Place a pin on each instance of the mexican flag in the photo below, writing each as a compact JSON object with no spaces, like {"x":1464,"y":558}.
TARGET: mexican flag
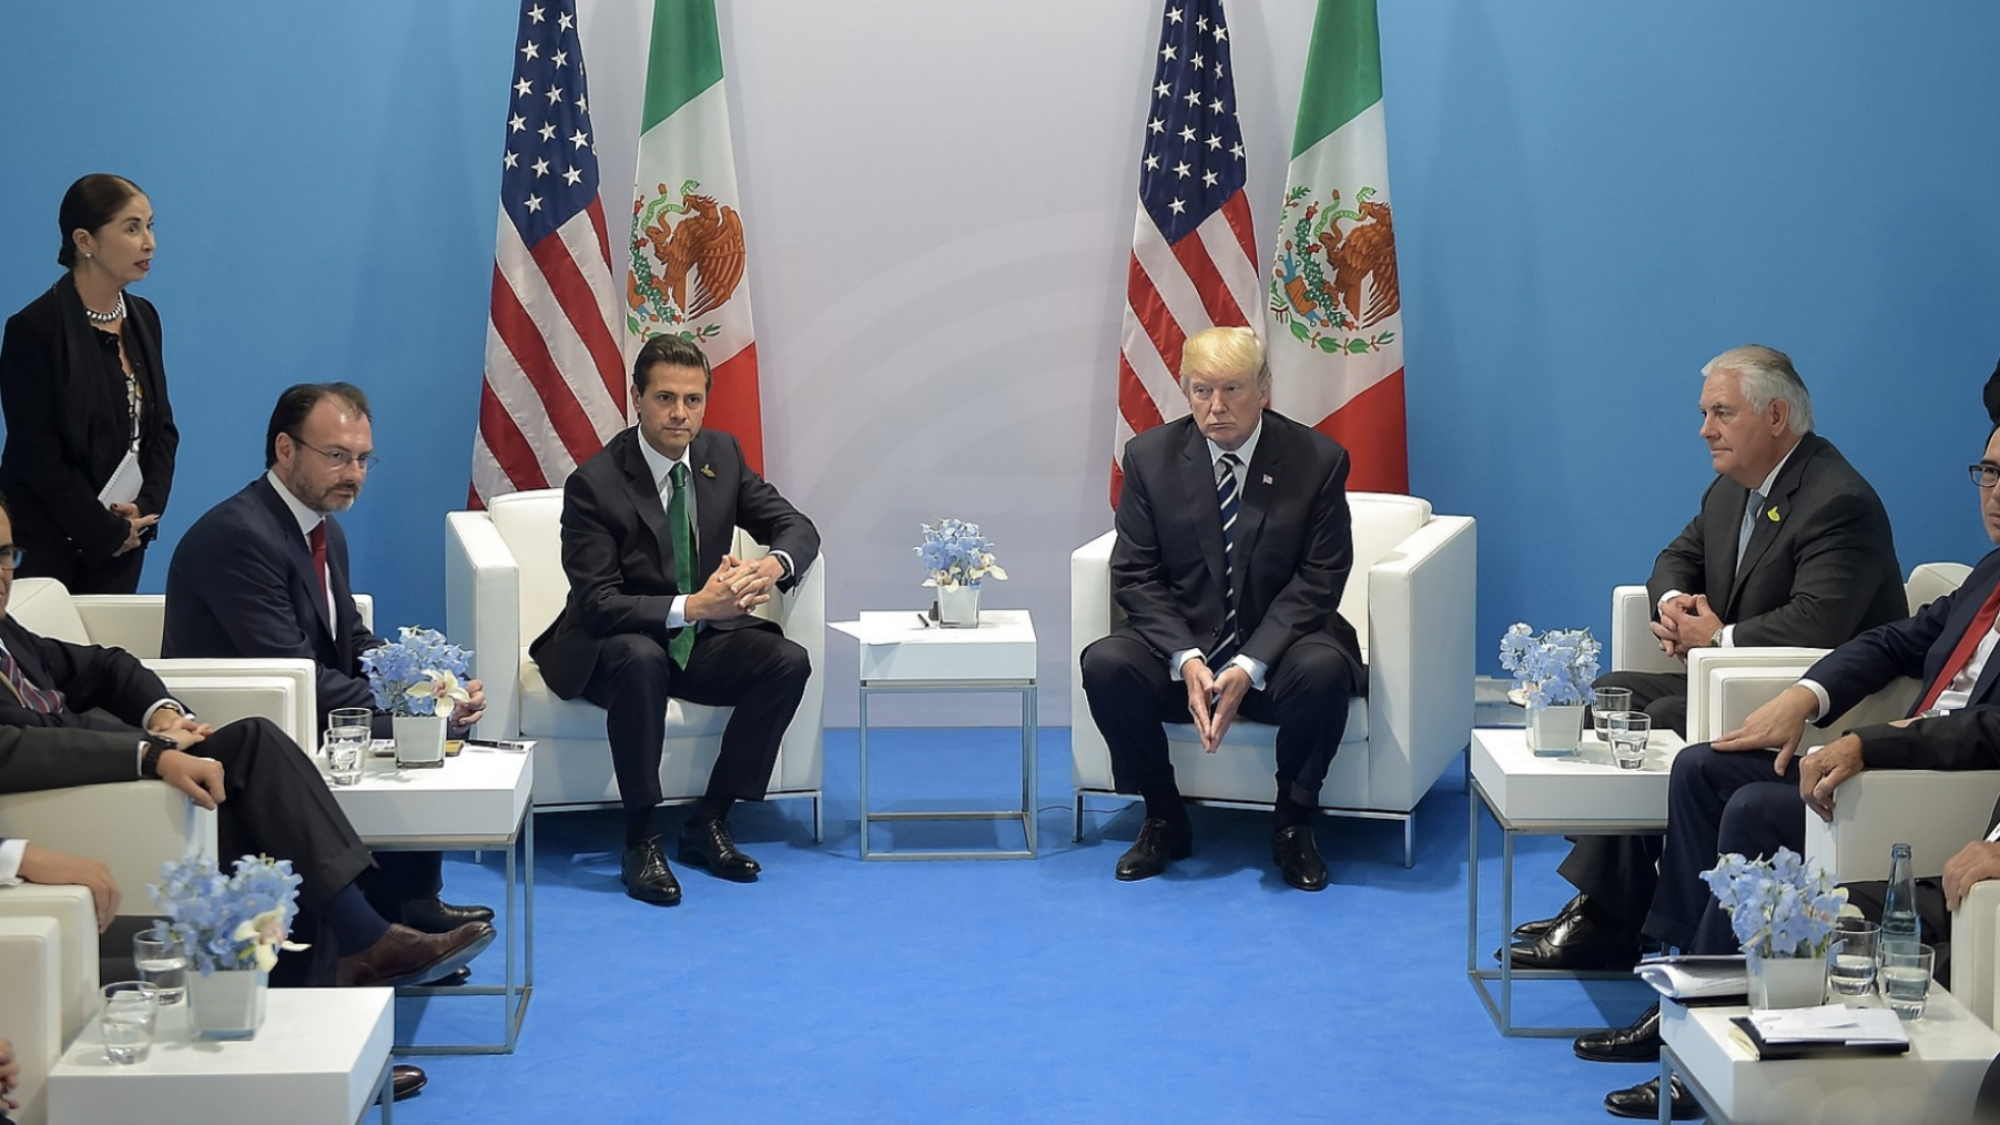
{"x":688,"y":267}
{"x":1336,"y":340}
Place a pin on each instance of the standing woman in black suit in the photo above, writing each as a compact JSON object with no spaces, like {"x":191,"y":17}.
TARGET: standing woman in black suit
{"x":89,"y":457}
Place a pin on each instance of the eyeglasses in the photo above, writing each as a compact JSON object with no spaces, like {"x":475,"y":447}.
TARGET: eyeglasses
{"x":1985,"y":476}
{"x":10,"y":558}
{"x":340,"y":458}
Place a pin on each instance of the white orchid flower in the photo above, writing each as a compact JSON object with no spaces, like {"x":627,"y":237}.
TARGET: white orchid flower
{"x":439,"y":688}
{"x":266,"y":935}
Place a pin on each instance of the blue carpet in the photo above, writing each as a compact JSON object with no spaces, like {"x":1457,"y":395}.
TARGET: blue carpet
{"x":1016,"y":992}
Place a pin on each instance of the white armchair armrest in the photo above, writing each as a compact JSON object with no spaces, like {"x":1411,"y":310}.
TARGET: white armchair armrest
{"x":132,"y":827}
{"x":1935,"y":812}
{"x":1092,"y":614}
{"x":1634,"y":648}
{"x":1726,"y":684}
{"x":74,"y":911}
{"x":1421,"y":659}
{"x":31,"y":975}
{"x":482,"y":597}
{"x":1975,"y":949}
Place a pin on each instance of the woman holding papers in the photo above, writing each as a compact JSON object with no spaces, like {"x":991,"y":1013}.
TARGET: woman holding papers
{"x":89,"y":457}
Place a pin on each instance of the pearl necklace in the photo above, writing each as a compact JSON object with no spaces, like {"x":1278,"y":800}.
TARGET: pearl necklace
{"x":117,"y":313}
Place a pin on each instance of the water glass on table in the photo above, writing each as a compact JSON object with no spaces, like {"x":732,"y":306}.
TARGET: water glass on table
{"x":1852,"y":970}
{"x":348,"y":732}
{"x":162,"y":964}
{"x":1905,"y":976}
{"x":1628,"y":732}
{"x":127,"y":1020}
{"x":1608,"y":699}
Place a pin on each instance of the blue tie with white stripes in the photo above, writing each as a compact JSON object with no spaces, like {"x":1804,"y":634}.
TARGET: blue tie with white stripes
{"x":1226,"y":496}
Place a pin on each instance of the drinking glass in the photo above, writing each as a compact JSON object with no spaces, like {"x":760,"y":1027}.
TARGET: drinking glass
{"x":1905,"y":977}
{"x":1609,"y":699}
{"x":161,"y":963}
{"x":127,"y":1020}
{"x":1629,"y":731}
{"x":1852,"y":972}
{"x":342,"y":747}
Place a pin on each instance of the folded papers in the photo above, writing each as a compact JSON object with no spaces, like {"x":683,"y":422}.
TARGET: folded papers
{"x":1691,"y":977}
{"x":1794,"y":1033}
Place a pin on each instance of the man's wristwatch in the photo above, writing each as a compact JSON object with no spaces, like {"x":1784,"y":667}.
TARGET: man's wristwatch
{"x":156,"y":745}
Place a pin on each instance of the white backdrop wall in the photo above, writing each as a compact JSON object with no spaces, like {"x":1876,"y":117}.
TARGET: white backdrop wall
{"x":1592,"y":199}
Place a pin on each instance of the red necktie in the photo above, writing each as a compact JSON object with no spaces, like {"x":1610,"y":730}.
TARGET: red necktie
{"x":317,"y":537}
{"x":1969,"y":643}
{"x":34,"y":698}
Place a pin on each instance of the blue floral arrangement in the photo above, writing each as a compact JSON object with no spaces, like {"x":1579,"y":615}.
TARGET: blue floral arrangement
{"x":238,"y":921}
{"x":419,"y":673}
{"x":1777,"y":907}
{"x":955,"y":554}
{"x":1552,"y":669}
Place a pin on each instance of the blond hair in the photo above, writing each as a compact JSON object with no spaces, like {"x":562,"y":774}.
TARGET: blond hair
{"x":1225,"y":351}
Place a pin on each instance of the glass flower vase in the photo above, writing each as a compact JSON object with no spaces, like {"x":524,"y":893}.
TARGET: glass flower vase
{"x":227,"y":1003}
{"x":1787,"y":982}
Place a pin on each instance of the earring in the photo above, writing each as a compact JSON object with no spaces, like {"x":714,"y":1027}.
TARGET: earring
{"x":87,"y":255}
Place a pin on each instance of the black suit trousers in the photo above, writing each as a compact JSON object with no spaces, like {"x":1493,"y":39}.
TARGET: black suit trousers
{"x":755,"y":669}
{"x":1618,"y":872}
{"x":277,"y":804}
{"x":1131,"y":694}
{"x":1716,"y":803}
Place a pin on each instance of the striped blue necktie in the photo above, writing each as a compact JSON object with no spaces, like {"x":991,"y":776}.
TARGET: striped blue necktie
{"x":1226,"y":497}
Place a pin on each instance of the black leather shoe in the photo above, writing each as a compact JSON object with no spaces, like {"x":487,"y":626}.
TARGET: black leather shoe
{"x":647,"y":876}
{"x":707,"y":843}
{"x":1529,"y":931}
{"x":1297,"y":857}
{"x":1638,"y":1043}
{"x":1643,"y":1101}
{"x":406,"y":1080}
{"x":1579,"y":942}
{"x":450,"y":980}
{"x":435,"y":916}
{"x":1159,"y":844}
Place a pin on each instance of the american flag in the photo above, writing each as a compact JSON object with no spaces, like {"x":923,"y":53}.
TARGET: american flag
{"x":1194,"y":262}
{"x":555,"y":383}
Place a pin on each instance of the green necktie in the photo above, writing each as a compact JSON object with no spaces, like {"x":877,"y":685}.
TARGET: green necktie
{"x":685,"y":564}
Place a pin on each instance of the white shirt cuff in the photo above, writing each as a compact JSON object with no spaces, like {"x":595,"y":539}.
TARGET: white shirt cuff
{"x":11,"y":852}
{"x":1254,"y":667}
{"x":146,"y":720}
{"x":1727,"y":638}
{"x":1819,"y":693}
{"x":677,"y":617}
{"x":1175,"y":661}
{"x":1659,"y":607}
{"x":783,"y":557}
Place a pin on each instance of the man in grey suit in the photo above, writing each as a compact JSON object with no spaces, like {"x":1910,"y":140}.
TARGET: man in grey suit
{"x":1791,"y":547}
{"x":1234,"y":543}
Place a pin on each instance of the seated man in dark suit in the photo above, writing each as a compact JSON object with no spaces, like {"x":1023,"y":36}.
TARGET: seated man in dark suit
{"x":1233,"y":549}
{"x":658,"y":609}
{"x":265,"y":574}
{"x":1792,"y":547}
{"x":84,"y":715}
{"x":1748,"y":791}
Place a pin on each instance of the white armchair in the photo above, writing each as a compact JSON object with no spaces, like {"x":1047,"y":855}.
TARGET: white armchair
{"x":1409,"y":596}
{"x":48,"y":981}
{"x":504,"y":584}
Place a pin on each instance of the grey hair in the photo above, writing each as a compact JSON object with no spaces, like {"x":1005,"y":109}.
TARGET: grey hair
{"x":1766,"y":375}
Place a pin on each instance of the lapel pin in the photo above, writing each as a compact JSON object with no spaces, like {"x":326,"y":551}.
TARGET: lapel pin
{"x":710,"y":474}
{"x":1773,"y":514}
{"x":1267,"y":478}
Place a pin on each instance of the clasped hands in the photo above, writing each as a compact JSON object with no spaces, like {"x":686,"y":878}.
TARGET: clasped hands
{"x":199,"y":778}
{"x":1686,"y":622}
{"x":137,"y":526}
{"x":736,"y":588}
{"x":1213,"y":699}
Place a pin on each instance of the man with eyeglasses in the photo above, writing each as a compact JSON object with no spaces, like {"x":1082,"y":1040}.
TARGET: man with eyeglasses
{"x":264,"y":574}
{"x":1748,"y":791}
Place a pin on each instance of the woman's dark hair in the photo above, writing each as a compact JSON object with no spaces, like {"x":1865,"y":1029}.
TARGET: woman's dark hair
{"x":88,"y":205}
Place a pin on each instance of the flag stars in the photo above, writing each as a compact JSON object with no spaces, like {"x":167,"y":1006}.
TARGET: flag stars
{"x":1214,"y":142}
{"x":1177,"y":206}
{"x":580,"y":139}
{"x":1162,"y":90}
{"x":523,"y":88}
{"x":531,"y":50}
{"x":1181,"y":170}
{"x":1196,"y":60}
{"x":541,"y":166}
{"x":573,"y":177}
{"x":1215,"y":106}
{"x":1187,"y":134}
{"x":581,"y":107}
{"x":1156,"y":125}
{"x":512,"y":159}
{"x":565,"y":21}
{"x":1174,"y":15}
{"x":1209,"y":179}
{"x":1236,"y":150}
{"x":535,"y":13}
{"x":554,"y":94}
{"x":534,"y":204}
{"x":517,"y":123}
{"x":548,"y":132}
{"x":1221,"y":33}
{"x":562,"y":59}
{"x":1169,"y":52}
{"x":1152,"y":163}
{"x":1193,"y":97}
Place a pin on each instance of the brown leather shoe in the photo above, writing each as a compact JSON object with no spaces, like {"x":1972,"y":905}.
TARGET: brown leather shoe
{"x":404,"y":955}
{"x":405,"y":1081}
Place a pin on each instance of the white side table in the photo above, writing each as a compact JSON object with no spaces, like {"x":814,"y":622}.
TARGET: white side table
{"x":1934,"y":1083}
{"x":477,"y":800}
{"x":900,"y":654}
{"x":1527,"y":795}
{"x":321,"y":1058}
